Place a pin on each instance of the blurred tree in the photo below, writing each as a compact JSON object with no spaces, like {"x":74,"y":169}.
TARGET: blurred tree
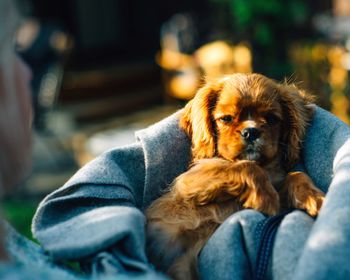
{"x":269,"y":26}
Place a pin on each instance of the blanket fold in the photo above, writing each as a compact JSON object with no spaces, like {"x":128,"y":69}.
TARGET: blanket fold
{"x":101,"y":207}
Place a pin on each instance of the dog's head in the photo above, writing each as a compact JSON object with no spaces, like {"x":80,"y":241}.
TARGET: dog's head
{"x":248,"y":116}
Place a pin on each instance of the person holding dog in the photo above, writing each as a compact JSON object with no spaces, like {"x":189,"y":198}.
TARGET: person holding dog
{"x":98,"y":217}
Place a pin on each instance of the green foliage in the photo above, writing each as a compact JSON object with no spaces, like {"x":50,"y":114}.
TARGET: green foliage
{"x":19,"y":214}
{"x":257,"y":20}
{"x":269,"y":26}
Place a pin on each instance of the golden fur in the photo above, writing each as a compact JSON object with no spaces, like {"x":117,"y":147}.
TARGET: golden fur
{"x":246,"y":132}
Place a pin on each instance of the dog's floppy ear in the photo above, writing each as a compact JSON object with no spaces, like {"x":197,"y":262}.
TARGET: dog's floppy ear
{"x":298,"y":112}
{"x":198,"y":123}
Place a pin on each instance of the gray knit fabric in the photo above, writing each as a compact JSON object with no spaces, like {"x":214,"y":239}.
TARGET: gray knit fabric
{"x":28,"y":261}
{"x":99,"y":212}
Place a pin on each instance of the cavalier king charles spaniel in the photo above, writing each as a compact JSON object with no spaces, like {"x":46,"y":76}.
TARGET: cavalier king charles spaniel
{"x":246,"y":132}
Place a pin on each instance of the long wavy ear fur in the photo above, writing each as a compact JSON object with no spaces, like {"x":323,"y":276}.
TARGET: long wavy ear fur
{"x":298,"y":113}
{"x":198,"y":123}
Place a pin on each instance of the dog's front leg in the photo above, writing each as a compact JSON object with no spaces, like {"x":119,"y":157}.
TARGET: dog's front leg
{"x":251,"y":185}
{"x":218,"y":180}
{"x":299,"y":191}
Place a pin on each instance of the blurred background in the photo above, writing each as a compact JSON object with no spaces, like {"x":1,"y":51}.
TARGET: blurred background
{"x":105,"y":68}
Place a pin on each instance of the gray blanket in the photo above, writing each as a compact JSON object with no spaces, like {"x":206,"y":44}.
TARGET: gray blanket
{"x":97,"y":216}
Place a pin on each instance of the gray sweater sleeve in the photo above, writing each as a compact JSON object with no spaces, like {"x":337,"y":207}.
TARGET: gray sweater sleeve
{"x":327,"y":154}
{"x":307,"y":249}
{"x":96,"y":208}
{"x":98,"y":213}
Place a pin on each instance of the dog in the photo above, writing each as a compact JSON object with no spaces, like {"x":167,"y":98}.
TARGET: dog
{"x":246,"y":132}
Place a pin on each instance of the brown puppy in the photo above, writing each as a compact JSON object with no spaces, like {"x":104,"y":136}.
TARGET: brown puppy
{"x":246,"y":133}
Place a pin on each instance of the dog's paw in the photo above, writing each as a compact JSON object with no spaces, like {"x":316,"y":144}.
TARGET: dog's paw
{"x":253,"y":188}
{"x":302,"y":193}
{"x":310,"y":200}
{"x":257,"y":192}
{"x":263,"y":199}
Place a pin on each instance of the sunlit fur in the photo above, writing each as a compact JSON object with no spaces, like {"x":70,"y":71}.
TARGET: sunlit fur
{"x":229,"y":173}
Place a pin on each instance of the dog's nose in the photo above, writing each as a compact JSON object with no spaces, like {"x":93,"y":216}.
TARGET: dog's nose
{"x":250,"y":134}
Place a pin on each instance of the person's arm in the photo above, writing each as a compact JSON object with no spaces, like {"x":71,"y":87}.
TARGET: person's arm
{"x":97,"y":216}
{"x":96,"y":209}
{"x":327,"y":160}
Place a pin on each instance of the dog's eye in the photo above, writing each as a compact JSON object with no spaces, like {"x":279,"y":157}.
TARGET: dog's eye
{"x":226,"y":119}
{"x":272,"y":119}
